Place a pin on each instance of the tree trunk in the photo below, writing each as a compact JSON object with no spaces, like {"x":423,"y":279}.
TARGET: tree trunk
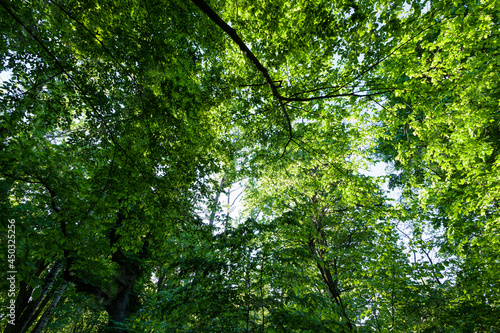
{"x":119,"y":307}
{"x":39,"y":310}
{"x":50,"y":310}
{"x":216,"y":201}
{"x":28,"y":309}
{"x":23,"y":298}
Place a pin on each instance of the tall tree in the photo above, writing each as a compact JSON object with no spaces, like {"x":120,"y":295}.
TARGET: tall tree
{"x":72,"y":115}
{"x":120,"y":118}
{"x":441,"y":135}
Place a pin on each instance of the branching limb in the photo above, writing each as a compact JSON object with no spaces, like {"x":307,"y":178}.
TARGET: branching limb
{"x":205,"y":8}
{"x":280,"y":84}
{"x":352,"y":94}
{"x":80,"y":89}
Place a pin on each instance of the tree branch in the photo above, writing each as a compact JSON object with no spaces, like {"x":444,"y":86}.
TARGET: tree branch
{"x":306,"y":99}
{"x":86,"y":99}
{"x":262,"y":84}
{"x":205,"y":8}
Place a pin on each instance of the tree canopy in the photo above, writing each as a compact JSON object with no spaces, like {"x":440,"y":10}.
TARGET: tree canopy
{"x":200,"y":166}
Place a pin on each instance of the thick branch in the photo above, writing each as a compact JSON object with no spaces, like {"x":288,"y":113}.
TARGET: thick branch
{"x":205,"y":8}
{"x":83,"y":286}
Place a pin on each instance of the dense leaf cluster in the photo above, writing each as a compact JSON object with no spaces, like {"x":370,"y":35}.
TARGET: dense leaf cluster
{"x":127,"y":126}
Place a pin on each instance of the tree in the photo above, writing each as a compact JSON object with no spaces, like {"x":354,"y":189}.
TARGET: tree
{"x":103,"y":201}
{"x":442,"y":137}
{"x":120,"y":119}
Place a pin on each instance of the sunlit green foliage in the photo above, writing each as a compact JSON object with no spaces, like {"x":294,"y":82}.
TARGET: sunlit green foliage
{"x":120,"y":118}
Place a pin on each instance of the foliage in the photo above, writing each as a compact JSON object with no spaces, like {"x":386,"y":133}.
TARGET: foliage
{"x":123,"y":124}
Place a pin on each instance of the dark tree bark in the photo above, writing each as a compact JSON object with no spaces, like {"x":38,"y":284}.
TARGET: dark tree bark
{"x":118,"y":307}
{"x":205,"y":8}
{"x":28,"y":309}
{"x":50,"y":310}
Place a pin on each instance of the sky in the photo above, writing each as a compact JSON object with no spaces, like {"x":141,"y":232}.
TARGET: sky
{"x":4,"y":76}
